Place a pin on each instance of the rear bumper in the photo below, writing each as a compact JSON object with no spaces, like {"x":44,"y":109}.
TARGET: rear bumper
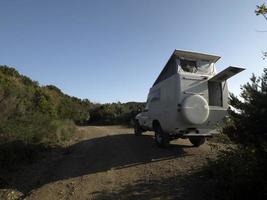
{"x":195,"y":133}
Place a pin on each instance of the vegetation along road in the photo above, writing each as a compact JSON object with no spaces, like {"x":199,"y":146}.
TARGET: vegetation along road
{"x":109,"y":162}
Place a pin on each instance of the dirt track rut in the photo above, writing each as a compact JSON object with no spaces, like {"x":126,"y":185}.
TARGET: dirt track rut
{"x":109,"y":162}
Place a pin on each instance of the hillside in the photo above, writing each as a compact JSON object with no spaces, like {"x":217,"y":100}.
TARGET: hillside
{"x":34,"y":115}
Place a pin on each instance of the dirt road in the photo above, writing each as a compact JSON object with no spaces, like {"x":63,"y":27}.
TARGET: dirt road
{"x":109,"y":162}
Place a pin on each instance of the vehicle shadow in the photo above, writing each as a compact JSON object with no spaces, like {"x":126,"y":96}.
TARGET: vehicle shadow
{"x":91,"y":156}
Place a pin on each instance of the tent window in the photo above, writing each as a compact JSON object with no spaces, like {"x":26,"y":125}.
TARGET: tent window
{"x":188,"y":65}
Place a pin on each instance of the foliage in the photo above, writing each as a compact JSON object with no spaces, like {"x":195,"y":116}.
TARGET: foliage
{"x":116,"y":113}
{"x":262,"y":10}
{"x":20,"y":95}
{"x":240,"y":168}
{"x":33,"y":116}
{"x":239,"y":173}
{"x":249,"y":127}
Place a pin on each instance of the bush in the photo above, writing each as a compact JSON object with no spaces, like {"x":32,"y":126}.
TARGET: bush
{"x":240,"y":169}
{"x":31,"y":137}
{"x":34,"y":116}
{"x":115,"y":113}
{"x":249,"y":126}
{"x":239,"y":173}
{"x":64,"y":131}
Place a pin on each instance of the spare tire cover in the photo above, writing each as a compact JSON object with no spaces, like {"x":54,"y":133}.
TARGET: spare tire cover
{"x":195,"y":109}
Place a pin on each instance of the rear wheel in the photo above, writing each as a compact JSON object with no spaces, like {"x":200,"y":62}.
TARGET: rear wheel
{"x":162,"y":139}
{"x":137,"y":128}
{"x":197,"y":141}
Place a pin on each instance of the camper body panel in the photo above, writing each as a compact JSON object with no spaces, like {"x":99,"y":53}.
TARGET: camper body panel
{"x":195,"y":84}
{"x":188,"y":99}
{"x":166,"y":113}
{"x":161,"y":104}
{"x":165,"y":97}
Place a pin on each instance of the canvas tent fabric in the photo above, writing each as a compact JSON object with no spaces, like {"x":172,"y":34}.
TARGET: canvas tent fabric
{"x":204,"y":64}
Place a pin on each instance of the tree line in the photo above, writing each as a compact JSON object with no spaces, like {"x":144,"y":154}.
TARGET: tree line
{"x":34,"y":114}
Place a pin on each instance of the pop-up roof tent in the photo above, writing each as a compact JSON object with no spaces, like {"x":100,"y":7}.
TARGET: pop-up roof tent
{"x":179,"y":57}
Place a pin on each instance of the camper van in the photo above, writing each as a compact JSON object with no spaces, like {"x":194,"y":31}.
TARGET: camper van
{"x":188,"y":99}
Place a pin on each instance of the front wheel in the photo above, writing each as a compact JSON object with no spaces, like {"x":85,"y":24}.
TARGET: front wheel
{"x":197,"y":141}
{"x":162,"y":139}
{"x":137,"y":128}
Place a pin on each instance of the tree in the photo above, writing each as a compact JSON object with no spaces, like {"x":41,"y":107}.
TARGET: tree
{"x":249,"y":127}
{"x":262,"y":10}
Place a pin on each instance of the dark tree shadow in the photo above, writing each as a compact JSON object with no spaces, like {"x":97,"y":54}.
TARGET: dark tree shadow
{"x":92,"y":156}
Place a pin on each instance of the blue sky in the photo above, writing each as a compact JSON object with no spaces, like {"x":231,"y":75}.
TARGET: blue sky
{"x":113,"y":50}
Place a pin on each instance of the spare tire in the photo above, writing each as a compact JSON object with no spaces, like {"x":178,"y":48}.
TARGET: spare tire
{"x":195,"y":109}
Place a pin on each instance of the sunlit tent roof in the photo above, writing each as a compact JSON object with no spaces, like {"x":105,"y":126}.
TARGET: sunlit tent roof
{"x":195,"y":55}
{"x":171,"y":66}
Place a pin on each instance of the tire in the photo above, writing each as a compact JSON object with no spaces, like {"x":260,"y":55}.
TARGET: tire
{"x":137,"y":129}
{"x":197,"y":141}
{"x":162,"y":139}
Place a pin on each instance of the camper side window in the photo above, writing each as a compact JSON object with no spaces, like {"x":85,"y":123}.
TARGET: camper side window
{"x":147,"y":105}
{"x":155,"y":95}
{"x":188,"y":65}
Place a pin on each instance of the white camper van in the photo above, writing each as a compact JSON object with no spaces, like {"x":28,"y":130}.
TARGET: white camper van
{"x":187,"y":100}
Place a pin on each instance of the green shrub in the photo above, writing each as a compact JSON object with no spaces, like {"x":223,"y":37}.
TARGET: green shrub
{"x":115,"y":113}
{"x":240,"y":173}
{"x":34,"y":116}
{"x":28,"y":137}
{"x":64,"y":130}
{"x":240,"y":169}
{"x":29,"y":128}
